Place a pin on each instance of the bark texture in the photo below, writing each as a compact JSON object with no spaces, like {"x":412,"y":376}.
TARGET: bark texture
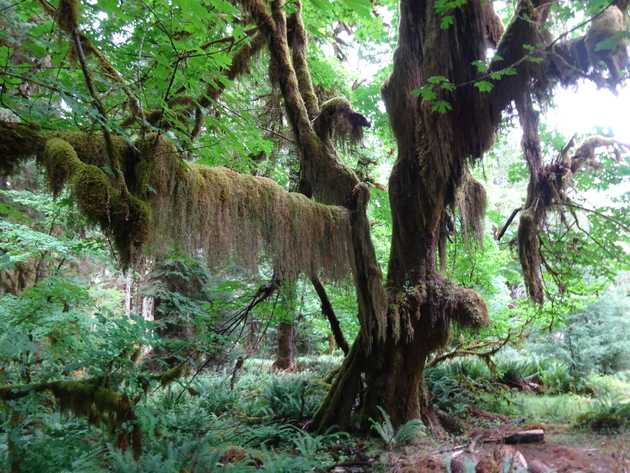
{"x":285,"y":354}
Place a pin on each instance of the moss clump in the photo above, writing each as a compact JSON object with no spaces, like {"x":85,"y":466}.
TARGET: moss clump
{"x":18,"y":141}
{"x":91,"y":147}
{"x":119,"y":213}
{"x":93,"y":193}
{"x":338,"y":121}
{"x":61,"y":163}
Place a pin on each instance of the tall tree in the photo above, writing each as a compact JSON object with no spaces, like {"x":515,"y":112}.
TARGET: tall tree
{"x":445,"y":103}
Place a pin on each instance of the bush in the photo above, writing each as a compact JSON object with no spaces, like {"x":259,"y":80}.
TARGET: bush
{"x":555,"y":377}
{"x":607,"y":415}
{"x":585,"y":345}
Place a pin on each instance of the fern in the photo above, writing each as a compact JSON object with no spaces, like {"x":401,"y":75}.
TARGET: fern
{"x":406,"y":433}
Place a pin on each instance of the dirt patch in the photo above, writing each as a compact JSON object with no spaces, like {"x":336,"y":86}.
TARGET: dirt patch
{"x":561,"y":452}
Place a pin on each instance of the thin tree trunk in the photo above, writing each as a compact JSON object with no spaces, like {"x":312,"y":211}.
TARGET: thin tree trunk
{"x":285,"y":355}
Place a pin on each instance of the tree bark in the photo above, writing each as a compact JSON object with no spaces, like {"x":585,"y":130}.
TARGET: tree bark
{"x":285,"y":355}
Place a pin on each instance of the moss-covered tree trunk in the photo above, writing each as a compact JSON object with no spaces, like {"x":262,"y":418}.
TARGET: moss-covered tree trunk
{"x":437,"y":140}
{"x":429,"y":169}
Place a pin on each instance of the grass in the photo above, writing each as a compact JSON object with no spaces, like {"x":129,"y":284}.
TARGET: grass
{"x":556,"y":408}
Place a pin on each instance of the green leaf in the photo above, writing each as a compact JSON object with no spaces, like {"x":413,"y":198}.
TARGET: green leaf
{"x":446,"y":21}
{"x":363,"y":8}
{"x":481,"y":66}
{"x":442,"y":106}
{"x":484,"y":86}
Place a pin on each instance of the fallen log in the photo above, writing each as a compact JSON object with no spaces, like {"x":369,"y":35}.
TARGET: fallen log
{"x":525,"y":436}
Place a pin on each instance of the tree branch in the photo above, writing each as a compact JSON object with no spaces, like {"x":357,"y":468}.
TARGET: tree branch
{"x":507,"y":223}
{"x":329,"y":312}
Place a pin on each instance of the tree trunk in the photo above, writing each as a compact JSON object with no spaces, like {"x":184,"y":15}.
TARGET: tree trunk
{"x":252,"y":340}
{"x":430,"y":167}
{"x":285,"y":355}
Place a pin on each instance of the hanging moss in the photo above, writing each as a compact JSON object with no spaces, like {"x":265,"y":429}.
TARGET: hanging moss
{"x":338,"y":121}
{"x":230,"y":217}
{"x":225,"y":216}
{"x":471,"y":201}
{"x":17,"y":142}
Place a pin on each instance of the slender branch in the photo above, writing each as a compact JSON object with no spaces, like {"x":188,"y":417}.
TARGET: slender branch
{"x":329,"y":312}
{"x":262,"y":294}
{"x":508,"y":223}
{"x":109,"y":143}
{"x":599,"y":214}
{"x":105,"y":65}
{"x":473,"y":350}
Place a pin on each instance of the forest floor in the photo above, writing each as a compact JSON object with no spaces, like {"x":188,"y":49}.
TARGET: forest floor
{"x":564,"y":450}
{"x":584,"y":433}
{"x":256,"y":422}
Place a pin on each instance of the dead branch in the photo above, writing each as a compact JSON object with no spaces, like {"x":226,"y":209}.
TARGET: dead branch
{"x":329,"y":312}
{"x":507,"y":223}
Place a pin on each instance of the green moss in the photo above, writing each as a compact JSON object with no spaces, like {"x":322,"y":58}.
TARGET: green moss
{"x":91,"y":148}
{"x":10,"y":213}
{"x":17,"y":142}
{"x":93,"y":193}
{"x":119,"y":213}
{"x":130,"y":226}
{"x":61,"y":163}
{"x":139,"y":218}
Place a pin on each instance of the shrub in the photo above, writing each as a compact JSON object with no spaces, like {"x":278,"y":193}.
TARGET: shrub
{"x":607,"y":415}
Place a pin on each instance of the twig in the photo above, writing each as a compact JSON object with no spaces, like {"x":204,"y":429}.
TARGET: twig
{"x":508,"y":223}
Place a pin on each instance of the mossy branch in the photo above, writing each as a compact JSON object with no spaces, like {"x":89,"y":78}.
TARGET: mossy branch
{"x":547,"y":189}
{"x":297,"y":39}
{"x":88,"y":398}
{"x":216,"y":212}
